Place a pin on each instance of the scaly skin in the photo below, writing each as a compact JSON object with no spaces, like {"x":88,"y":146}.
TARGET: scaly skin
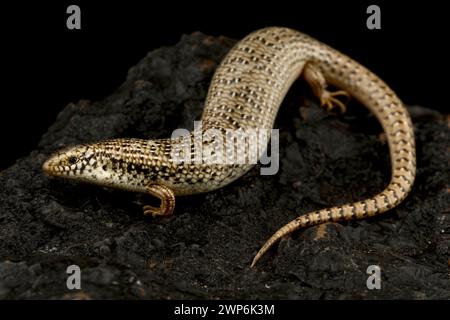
{"x":246,"y":92}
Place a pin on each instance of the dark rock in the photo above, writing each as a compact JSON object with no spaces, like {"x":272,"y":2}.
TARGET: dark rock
{"x":205,"y":249}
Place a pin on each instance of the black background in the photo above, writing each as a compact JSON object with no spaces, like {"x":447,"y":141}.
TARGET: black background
{"x":45,"y":65}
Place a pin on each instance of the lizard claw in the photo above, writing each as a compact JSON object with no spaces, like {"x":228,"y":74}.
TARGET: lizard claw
{"x":329,"y":100}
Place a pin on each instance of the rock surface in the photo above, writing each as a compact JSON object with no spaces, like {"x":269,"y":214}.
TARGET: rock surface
{"x":204,"y":250}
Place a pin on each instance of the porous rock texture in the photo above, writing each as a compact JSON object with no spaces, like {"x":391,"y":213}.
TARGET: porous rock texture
{"x":204,"y":250}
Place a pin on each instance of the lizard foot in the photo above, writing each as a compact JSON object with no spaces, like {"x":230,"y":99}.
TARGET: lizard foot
{"x":315,"y":78}
{"x":329,"y":101}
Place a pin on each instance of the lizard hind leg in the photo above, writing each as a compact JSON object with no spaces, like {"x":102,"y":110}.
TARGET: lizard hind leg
{"x":316,"y":80}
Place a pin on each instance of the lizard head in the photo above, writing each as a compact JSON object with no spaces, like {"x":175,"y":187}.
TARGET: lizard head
{"x":70,"y":162}
{"x":102,"y":163}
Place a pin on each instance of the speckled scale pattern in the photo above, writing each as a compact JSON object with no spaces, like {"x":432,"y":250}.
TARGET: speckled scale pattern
{"x":246,"y":92}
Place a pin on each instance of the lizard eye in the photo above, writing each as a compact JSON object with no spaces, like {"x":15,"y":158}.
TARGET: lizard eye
{"x":72,"y":160}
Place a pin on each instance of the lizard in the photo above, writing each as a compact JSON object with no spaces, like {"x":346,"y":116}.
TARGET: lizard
{"x":246,"y":92}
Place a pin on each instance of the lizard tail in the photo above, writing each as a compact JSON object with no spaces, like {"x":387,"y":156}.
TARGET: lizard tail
{"x":394,"y":118}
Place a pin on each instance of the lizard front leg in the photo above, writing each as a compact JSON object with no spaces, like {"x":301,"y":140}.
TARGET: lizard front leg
{"x":167,"y":198}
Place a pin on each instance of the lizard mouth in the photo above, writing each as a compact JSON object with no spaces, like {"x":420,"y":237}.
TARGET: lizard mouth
{"x":49,"y":166}
{"x":53,"y":166}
